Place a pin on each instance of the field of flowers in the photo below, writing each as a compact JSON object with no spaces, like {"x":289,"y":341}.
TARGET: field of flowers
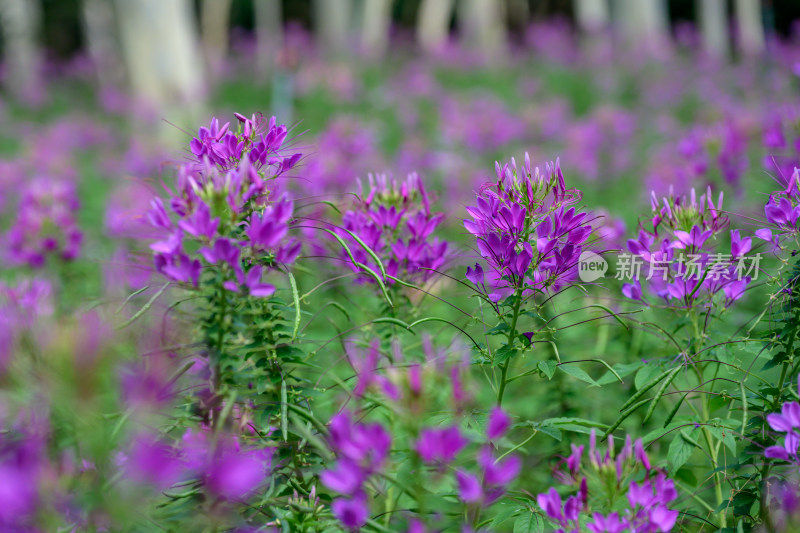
{"x":552,"y":294}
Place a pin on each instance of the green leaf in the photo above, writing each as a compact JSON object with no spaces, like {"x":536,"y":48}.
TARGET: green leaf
{"x":573,"y":424}
{"x":529,"y":523}
{"x":645,"y":374}
{"x":551,"y":431}
{"x":725,"y":435}
{"x":679,"y":452}
{"x":500,"y":329}
{"x":578,"y":373}
{"x":505,"y":514}
{"x":548,"y":368}
{"x":505,"y":352}
{"x":623,"y":369}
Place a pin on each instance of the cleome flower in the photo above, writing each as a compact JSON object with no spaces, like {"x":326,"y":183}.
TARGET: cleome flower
{"x":224,"y":211}
{"x":527,"y":231}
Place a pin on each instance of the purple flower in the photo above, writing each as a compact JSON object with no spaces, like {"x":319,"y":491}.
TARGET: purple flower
{"x":440,"y":445}
{"x":694,"y":239}
{"x":632,"y":290}
{"x":498,"y":424}
{"x":235,"y":474}
{"x":469,"y":487}
{"x":351,"y":512}
{"x":475,"y":275}
{"x":200,"y":223}
{"x":254,"y":285}
{"x":739,"y":246}
{"x":395,"y":222}
{"x":526,"y":230}
{"x":267,"y":229}
{"x":781,"y":212}
{"x":231,"y":178}
{"x":347,"y":477}
{"x":151,"y":461}
{"x":610,"y":524}
{"x":498,"y":473}
{"x":367,"y":444}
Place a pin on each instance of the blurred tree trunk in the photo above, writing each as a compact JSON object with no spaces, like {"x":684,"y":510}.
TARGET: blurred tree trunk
{"x":269,"y":33}
{"x":161,"y":49}
{"x":592,"y":15}
{"x":215,"y":22}
{"x":332,"y":22}
{"x":433,"y":23}
{"x":482,"y":26}
{"x":750,"y":25}
{"x":713,"y":15}
{"x":642,"y":23}
{"x":376,"y":24}
{"x":21,"y":21}
{"x":97,"y":17}
{"x":518,"y":14}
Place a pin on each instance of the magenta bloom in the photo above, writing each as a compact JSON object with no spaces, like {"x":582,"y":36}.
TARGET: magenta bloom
{"x":676,"y":258}
{"x":229,"y":187}
{"x":440,"y":445}
{"x":498,"y":425}
{"x":396,"y":222}
{"x":352,"y":513}
{"x":526,"y":231}
{"x":235,"y":474}
{"x":469,"y":487}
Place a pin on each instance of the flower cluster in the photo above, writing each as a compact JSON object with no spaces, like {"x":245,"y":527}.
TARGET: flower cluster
{"x":495,"y":473}
{"x":607,"y":478}
{"x":782,"y":211}
{"x":226,"y":209}
{"x":24,"y":469}
{"x":45,"y":224}
{"x":781,"y":138}
{"x":226,"y":470}
{"x":784,"y":498}
{"x":20,"y":307}
{"x":361,"y":450}
{"x":396,"y":222}
{"x":527,"y":230}
{"x":787,"y":421}
{"x":682,"y":228}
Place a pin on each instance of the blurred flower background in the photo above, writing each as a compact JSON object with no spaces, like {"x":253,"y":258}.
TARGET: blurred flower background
{"x":279,"y":317}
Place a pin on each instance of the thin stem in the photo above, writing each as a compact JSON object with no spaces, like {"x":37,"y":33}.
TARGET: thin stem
{"x":510,"y":343}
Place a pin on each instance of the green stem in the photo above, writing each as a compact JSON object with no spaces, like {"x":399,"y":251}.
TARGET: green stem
{"x":510,"y":342}
{"x":696,"y":344}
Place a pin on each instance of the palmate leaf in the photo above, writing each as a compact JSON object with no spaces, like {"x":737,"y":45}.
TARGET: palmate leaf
{"x":680,"y":449}
{"x":529,"y":522}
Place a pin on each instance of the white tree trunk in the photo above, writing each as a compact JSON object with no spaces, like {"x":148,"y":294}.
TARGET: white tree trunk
{"x":642,"y":23}
{"x":98,"y":26}
{"x":376,"y":24}
{"x":269,"y":33}
{"x":482,"y":26}
{"x":21,"y":21}
{"x":592,"y":15}
{"x":713,"y":17}
{"x":161,"y":50}
{"x":750,"y":25}
{"x":214,"y":23}
{"x":433,"y":23}
{"x":332,"y":21}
